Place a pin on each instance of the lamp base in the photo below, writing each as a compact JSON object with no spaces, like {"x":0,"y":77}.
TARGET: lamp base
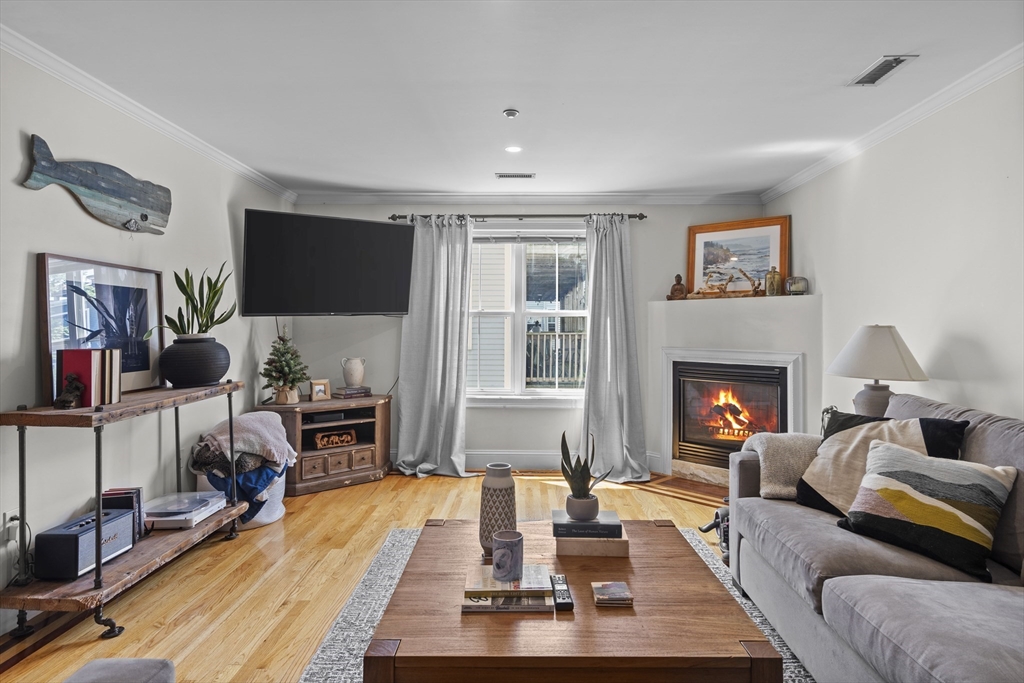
{"x":872,"y":400}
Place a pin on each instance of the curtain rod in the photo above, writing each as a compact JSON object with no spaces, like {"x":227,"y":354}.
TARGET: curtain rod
{"x":521,"y":216}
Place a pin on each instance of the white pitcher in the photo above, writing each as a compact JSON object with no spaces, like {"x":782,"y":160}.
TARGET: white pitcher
{"x":353,"y":370}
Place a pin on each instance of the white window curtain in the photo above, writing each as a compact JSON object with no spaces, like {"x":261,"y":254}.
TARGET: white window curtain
{"x":611,"y":403}
{"x":432,"y":384}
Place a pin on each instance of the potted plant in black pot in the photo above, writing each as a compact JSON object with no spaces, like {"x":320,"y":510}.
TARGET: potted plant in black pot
{"x":581,"y":504}
{"x":195,"y":359}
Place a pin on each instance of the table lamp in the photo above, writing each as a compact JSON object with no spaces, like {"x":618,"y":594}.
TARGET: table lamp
{"x":876,"y":352}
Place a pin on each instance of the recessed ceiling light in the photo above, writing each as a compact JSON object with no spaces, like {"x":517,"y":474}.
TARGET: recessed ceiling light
{"x":513,"y":149}
{"x":511,"y":113}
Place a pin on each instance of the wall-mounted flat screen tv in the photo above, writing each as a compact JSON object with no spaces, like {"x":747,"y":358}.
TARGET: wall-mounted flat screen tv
{"x":296,"y":264}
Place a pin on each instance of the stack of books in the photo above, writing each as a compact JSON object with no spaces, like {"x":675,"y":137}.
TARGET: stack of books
{"x":612,"y":594}
{"x":602,"y":537}
{"x":129,"y":498}
{"x":351,"y":392}
{"x":99,"y":370}
{"x":532,"y":593}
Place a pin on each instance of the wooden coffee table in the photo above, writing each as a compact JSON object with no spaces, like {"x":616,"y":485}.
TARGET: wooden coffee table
{"x":684,"y":625}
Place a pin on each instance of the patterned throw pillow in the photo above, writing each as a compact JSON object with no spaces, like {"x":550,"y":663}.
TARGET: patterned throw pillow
{"x":943,"y":509}
{"x":831,"y":481}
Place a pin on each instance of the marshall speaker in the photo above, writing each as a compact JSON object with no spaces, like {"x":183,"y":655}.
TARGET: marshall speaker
{"x":66,"y":552}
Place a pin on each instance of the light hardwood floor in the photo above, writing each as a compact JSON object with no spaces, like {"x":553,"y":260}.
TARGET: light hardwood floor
{"x":255,"y":609}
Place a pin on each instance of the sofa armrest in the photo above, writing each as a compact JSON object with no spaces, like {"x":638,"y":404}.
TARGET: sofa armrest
{"x":744,"y":475}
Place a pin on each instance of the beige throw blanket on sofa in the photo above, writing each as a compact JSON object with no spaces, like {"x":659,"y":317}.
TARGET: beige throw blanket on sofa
{"x":784,"y":458}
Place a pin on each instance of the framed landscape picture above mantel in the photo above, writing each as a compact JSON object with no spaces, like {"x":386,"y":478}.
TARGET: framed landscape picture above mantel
{"x":732,"y":254}
{"x":85,"y":304}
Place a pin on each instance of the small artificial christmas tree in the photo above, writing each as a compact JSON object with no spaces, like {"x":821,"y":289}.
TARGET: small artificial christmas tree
{"x":284,"y":369}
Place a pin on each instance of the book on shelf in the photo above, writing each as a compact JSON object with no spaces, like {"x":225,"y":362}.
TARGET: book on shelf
{"x":509,"y":604}
{"x":351,"y":392}
{"x":607,"y":525}
{"x":128,"y":499}
{"x":593,"y":547}
{"x":480,"y":583}
{"x":612,"y":594}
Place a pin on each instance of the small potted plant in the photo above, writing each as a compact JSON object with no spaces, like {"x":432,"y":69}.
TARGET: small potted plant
{"x":284,"y":370}
{"x":195,"y":359}
{"x":581,"y":504}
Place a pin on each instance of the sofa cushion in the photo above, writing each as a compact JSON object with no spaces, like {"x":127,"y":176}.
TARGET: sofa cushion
{"x":929,"y":631}
{"x":992,"y":440}
{"x":831,"y":481}
{"x":806,"y":548}
{"x":838,"y":421}
{"x":943,"y":509}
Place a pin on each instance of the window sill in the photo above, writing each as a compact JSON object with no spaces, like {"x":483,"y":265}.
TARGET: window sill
{"x":524,"y":401}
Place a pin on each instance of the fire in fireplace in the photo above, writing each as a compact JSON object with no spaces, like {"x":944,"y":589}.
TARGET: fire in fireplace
{"x":717,"y":406}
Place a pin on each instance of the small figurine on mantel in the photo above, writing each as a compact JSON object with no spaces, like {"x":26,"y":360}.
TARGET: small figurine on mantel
{"x":71,"y":397}
{"x":678,"y":291}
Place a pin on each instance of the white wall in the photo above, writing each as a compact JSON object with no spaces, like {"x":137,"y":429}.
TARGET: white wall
{"x":925,"y":231}
{"x":659,"y":252}
{"x":205,"y":228}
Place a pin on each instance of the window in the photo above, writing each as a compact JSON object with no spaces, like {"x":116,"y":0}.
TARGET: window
{"x":527,"y":313}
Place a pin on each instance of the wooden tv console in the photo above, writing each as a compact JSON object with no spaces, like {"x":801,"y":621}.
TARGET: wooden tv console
{"x":367,"y":459}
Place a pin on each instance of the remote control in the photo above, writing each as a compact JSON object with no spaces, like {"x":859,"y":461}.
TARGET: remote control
{"x":563,"y":598}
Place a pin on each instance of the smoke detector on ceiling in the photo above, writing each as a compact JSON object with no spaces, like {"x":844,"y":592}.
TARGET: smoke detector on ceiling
{"x":510,"y":176}
{"x":511,"y":113}
{"x":881,"y":69}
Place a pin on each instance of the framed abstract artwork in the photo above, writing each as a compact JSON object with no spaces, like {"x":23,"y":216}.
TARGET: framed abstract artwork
{"x":85,"y":304}
{"x":733,"y":253}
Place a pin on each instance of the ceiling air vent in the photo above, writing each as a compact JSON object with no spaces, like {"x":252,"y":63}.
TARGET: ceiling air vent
{"x":881,"y":69}
{"x":507,"y":176}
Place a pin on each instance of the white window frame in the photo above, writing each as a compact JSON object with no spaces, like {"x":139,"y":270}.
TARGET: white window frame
{"x":518,"y":395}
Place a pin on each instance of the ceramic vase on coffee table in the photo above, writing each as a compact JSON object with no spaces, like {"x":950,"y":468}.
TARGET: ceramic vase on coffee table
{"x":497,"y":503}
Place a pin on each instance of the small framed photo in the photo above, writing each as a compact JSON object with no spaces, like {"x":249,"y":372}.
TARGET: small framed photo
{"x":732,"y":253}
{"x":319,"y":389}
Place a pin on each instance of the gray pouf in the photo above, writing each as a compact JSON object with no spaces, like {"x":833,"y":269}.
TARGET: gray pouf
{"x":125,"y":671}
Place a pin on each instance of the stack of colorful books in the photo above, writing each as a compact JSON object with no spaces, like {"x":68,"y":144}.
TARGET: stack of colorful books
{"x":351,"y":392}
{"x":602,"y":537}
{"x":532,"y":593}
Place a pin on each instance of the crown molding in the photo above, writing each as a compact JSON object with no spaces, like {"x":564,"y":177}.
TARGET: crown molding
{"x":545,"y":199}
{"x":994,"y":70}
{"x":44,"y":60}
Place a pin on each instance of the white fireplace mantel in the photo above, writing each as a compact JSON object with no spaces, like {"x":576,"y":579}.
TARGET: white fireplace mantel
{"x":780,"y":331}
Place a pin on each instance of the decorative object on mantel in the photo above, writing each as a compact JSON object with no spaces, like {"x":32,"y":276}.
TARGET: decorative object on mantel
{"x":797,"y":285}
{"x":581,"y":504}
{"x":85,"y":304}
{"x":196,"y":359}
{"x":319,"y":389}
{"x":678,"y":291}
{"x":773,"y":282}
{"x":284,"y":370}
{"x":723,"y":253}
{"x":497,"y":504}
{"x":876,"y":352}
{"x":107,"y":192}
{"x":353,"y":369}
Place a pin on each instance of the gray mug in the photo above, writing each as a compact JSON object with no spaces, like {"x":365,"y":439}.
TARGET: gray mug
{"x":507,"y":556}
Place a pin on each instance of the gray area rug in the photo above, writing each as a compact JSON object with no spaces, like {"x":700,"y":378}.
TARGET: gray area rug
{"x":339,"y":659}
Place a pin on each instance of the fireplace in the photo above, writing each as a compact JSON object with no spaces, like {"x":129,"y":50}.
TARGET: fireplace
{"x":716,"y":406}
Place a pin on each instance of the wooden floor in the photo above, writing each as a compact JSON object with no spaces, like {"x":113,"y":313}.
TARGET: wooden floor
{"x":255,"y":609}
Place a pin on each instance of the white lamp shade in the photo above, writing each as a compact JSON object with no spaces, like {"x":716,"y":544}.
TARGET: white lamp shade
{"x":877,"y":352}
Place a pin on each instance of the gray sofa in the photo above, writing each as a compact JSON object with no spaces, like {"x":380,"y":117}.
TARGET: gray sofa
{"x":855,"y":609}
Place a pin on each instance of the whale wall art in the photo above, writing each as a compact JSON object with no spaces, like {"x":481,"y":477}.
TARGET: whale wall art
{"x":108,"y":193}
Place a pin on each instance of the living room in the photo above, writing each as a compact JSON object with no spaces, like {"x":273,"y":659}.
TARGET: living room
{"x":928,"y":163}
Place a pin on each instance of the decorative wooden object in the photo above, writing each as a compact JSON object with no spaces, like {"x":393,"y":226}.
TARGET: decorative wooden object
{"x":684,"y":625}
{"x":343,"y":437}
{"x":322,"y":468}
{"x":107,"y":192}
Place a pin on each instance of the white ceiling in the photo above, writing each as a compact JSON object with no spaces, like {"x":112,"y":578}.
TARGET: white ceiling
{"x":674,"y":98}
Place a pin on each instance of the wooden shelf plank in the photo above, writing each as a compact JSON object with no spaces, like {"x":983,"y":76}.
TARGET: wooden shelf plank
{"x":308,"y":406}
{"x":338,"y":423}
{"x":120,"y":574}
{"x":132,"y":405}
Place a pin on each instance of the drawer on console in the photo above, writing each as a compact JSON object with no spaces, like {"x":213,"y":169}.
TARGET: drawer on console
{"x":339,"y":462}
{"x":362,"y":457}
{"x":314,"y":466}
